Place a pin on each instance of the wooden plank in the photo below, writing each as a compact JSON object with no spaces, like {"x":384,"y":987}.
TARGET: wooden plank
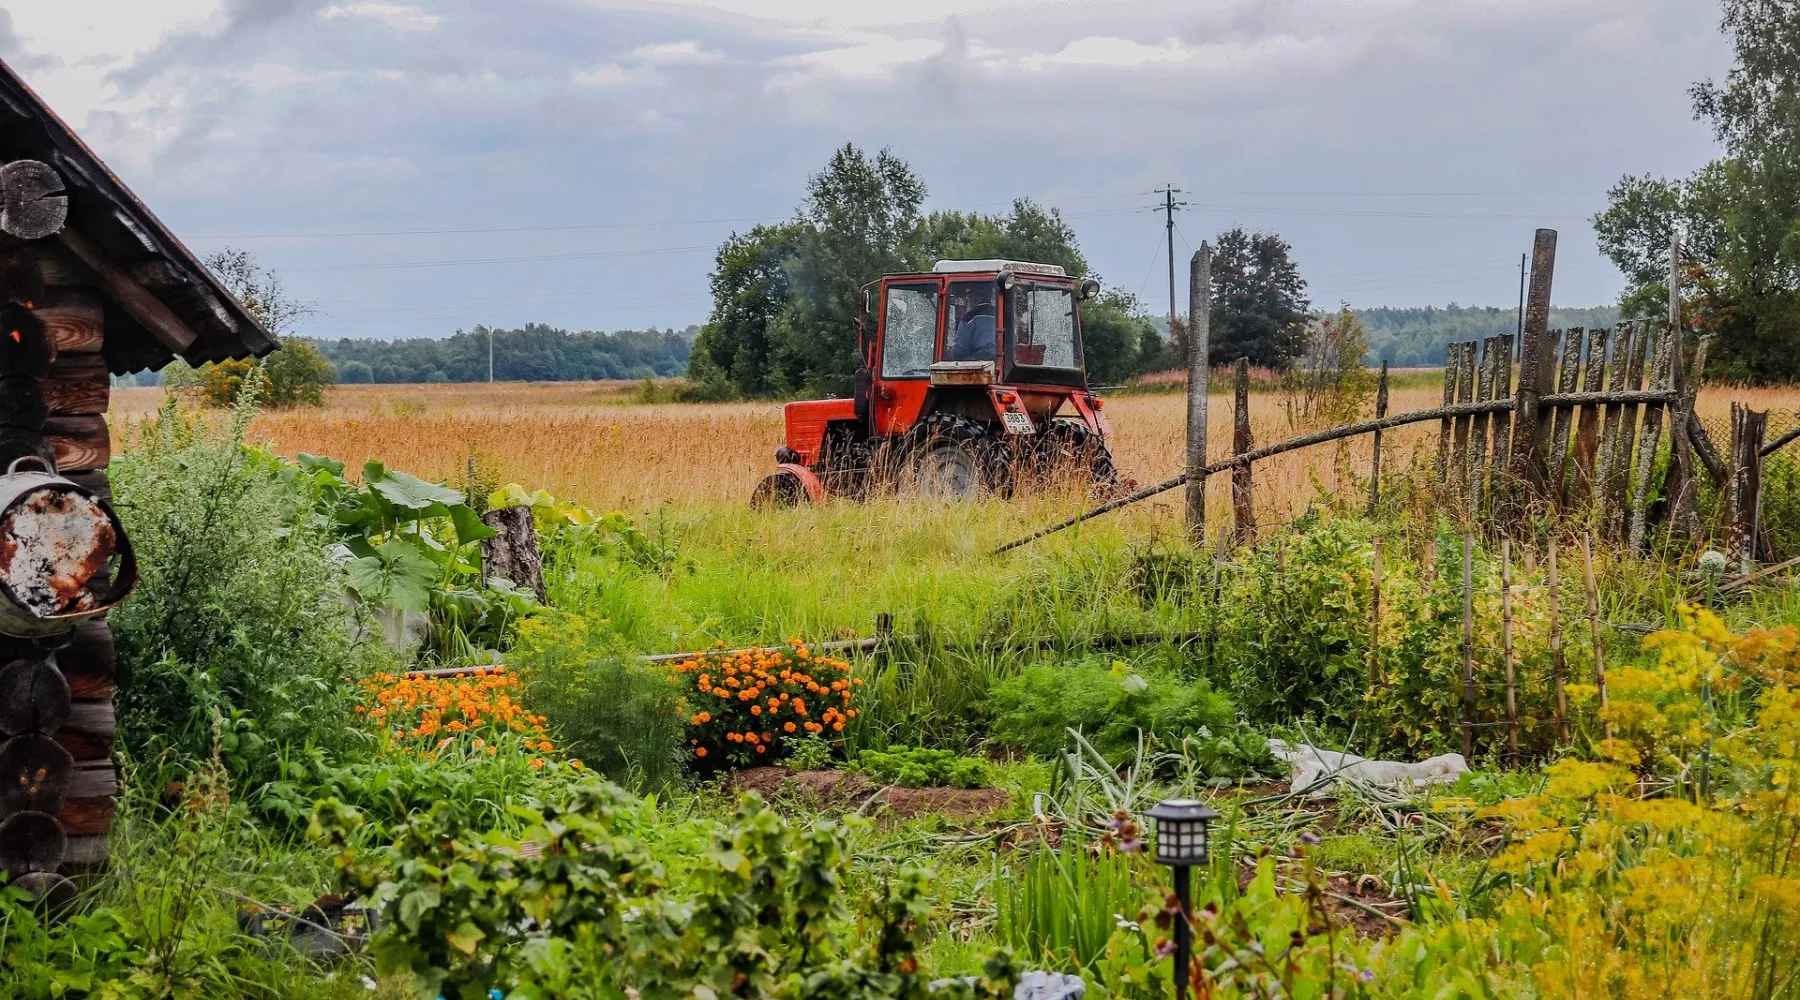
{"x":1452,"y":353}
{"x":1619,"y":496}
{"x":1465,"y":393}
{"x":1381,"y":407}
{"x":1681,"y":485}
{"x":59,"y":267}
{"x":90,"y":661}
{"x":92,"y":797}
{"x":1661,"y":377}
{"x":75,"y":319}
{"x":84,"y":852}
{"x":88,"y":735}
{"x":1614,"y":413}
{"x":1567,"y":373}
{"x":1587,"y":424}
{"x":1502,"y":418}
{"x":134,"y":298}
{"x":1478,"y":428}
{"x":81,"y":443}
{"x":78,"y":384}
{"x":1243,"y":486}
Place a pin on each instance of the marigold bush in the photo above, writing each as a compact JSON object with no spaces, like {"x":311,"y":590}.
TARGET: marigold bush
{"x":421,"y":715}
{"x":741,"y":704}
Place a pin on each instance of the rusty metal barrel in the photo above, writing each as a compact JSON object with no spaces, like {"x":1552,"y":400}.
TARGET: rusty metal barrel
{"x":64,"y":557}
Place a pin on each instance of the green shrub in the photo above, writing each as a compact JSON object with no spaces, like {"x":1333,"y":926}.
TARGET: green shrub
{"x":1108,"y":703}
{"x":918,"y":767}
{"x":616,"y":713}
{"x":238,"y":615}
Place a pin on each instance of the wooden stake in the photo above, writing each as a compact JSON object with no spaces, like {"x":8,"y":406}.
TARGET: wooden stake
{"x":1559,"y":435}
{"x":1199,"y":335}
{"x":1506,"y":632}
{"x":1381,"y":406}
{"x":1375,"y":621}
{"x":1243,"y":494}
{"x":1593,"y":614}
{"x":1556,"y":648}
{"x":1468,"y":646}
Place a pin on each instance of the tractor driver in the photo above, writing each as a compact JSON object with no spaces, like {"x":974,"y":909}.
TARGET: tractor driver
{"x":973,"y":311}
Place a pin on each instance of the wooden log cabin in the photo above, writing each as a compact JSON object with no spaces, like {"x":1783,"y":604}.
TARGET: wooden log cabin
{"x":91,"y":285}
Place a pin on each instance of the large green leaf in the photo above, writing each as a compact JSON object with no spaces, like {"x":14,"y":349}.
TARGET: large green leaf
{"x":317,"y":463}
{"x":398,"y":575}
{"x":413,"y":493}
{"x":469,"y":526}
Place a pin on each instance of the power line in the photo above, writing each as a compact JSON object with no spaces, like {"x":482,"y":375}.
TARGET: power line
{"x":502,"y":260}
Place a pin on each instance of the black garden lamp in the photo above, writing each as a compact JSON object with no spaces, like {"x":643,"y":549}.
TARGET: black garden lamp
{"x":1181,"y":843}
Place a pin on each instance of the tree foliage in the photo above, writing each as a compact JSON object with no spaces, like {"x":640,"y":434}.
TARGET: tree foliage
{"x":297,"y":374}
{"x":534,"y":352}
{"x":785,"y":302}
{"x":1259,"y":304}
{"x":1740,"y":213}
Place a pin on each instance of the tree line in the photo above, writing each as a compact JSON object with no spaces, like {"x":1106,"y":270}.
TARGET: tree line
{"x":1415,"y":337}
{"x":1739,"y":214}
{"x":533,"y":353}
{"x":785,"y":303}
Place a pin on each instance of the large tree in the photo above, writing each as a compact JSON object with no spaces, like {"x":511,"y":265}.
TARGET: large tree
{"x":1740,"y":213}
{"x":1259,"y":304}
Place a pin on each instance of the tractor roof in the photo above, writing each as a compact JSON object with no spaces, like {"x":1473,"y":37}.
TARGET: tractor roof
{"x":996,"y":264}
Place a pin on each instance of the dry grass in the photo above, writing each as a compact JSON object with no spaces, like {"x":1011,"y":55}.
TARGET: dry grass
{"x":592,"y":443}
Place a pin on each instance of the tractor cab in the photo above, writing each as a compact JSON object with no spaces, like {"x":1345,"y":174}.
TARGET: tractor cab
{"x":971,"y":375}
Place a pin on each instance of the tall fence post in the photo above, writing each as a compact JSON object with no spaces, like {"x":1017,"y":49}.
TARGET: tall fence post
{"x":1198,"y":346}
{"x":1243,"y":493}
{"x":1381,"y":407}
{"x":1536,"y":362}
{"x":1662,"y":369}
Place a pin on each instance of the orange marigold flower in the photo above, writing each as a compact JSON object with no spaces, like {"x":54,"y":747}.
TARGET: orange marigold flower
{"x":761,"y":749}
{"x":755,"y":709}
{"x":787,"y":727}
{"x":700,"y":751}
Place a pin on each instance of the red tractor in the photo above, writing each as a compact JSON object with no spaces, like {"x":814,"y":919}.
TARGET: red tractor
{"x":974,"y":380}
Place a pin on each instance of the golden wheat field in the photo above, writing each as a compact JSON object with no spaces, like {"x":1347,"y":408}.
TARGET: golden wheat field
{"x":591,"y":442}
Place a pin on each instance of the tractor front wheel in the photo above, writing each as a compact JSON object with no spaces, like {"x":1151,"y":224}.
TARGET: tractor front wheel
{"x":1066,"y":448}
{"x":956,"y":458}
{"x":777,"y":491}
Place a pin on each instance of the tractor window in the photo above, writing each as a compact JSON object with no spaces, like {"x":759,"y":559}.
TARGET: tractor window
{"x":1040,"y":327}
{"x":969,"y":324}
{"x":909,"y":331}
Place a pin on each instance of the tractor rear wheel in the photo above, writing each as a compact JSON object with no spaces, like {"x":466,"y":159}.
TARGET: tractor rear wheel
{"x":957,"y":458}
{"x":1067,"y":449}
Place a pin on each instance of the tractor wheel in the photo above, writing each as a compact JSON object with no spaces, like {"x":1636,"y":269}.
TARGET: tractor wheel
{"x":957,"y":458}
{"x":1066,"y":448}
{"x":778,"y":491}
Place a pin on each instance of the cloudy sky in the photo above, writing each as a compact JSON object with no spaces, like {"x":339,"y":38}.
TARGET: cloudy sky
{"x":416,"y":167}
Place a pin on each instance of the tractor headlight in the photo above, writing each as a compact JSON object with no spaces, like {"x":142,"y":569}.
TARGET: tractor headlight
{"x":1007,"y":280}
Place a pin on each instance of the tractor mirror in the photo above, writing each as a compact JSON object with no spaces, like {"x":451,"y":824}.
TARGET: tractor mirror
{"x":1089,"y":289}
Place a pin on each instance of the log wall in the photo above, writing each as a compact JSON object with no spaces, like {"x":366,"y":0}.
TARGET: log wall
{"x":58,"y":782}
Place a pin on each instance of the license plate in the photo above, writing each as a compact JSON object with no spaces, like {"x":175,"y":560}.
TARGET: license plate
{"x":1016,"y":423}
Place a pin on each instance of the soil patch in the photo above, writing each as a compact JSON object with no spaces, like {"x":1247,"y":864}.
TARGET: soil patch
{"x":845,"y":790}
{"x":1338,"y":889}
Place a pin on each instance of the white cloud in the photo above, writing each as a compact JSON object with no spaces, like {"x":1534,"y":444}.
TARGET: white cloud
{"x":608,"y":75}
{"x":397,"y":16}
{"x":686,"y":53}
{"x":875,"y":58}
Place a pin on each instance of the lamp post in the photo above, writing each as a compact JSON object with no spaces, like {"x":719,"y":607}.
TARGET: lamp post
{"x":1181,"y":843}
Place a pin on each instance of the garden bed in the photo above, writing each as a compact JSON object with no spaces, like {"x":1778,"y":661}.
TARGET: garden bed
{"x":847,"y":790}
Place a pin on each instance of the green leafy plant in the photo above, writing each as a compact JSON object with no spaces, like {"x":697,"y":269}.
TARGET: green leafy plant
{"x":919,"y":767}
{"x":811,"y":753}
{"x":1108,"y":702}
{"x":589,"y":911}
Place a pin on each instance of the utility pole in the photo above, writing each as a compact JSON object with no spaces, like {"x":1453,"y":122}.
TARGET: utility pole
{"x":1519,"y":339}
{"x":1169,"y":206}
{"x":490,"y":354}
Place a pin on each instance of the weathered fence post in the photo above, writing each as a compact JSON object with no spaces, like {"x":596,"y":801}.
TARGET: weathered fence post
{"x":1618,"y":504}
{"x":1530,"y":430}
{"x":1488,"y":378}
{"x":1243,"y":494}
{"x":1661,"y":368}
{"x":1199,"y":344}
{"x":1452,"y":358}
{"x":1587,"y":425}
{"x":1468,"y":646}
{"x":1681,"y":485}
{"x":1465,"y":393}
{"x":1381,"y":406}
{"x":1559,"y":436}
{"x":1502,"y":419}
{"x":1748,"y":428}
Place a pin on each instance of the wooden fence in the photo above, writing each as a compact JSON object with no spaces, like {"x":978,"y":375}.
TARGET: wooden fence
{"x":1576,"y":423}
